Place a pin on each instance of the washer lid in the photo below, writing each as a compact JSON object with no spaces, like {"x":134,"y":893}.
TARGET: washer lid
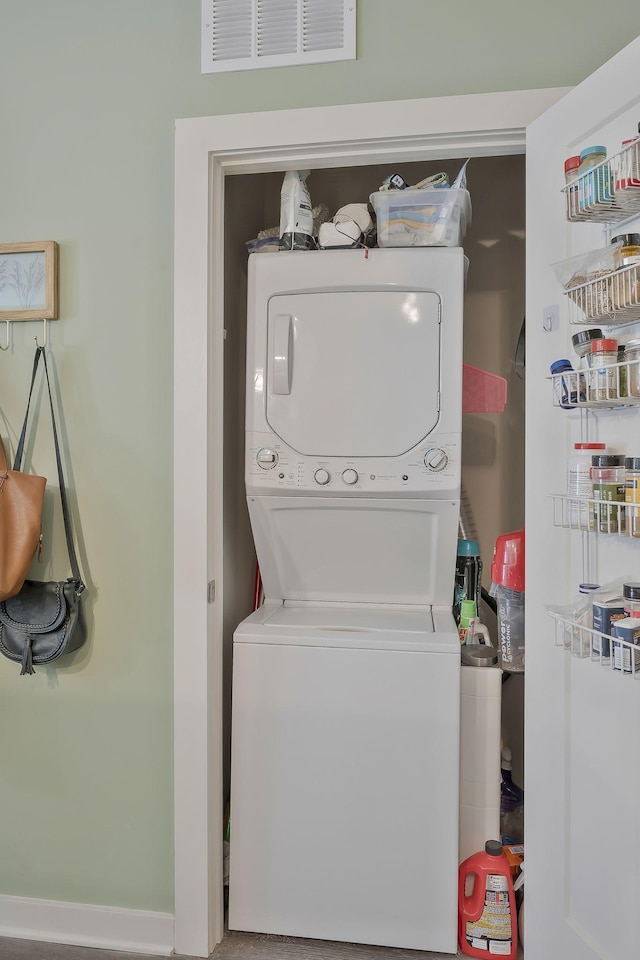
{"x":353,"y":372}
{"x":356,"y":550}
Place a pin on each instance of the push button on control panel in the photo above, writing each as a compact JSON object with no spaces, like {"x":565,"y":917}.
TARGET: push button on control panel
{"x":322,"y":477}
{"x":266,"y":458}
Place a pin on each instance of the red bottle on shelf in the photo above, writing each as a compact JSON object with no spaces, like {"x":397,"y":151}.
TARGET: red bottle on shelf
{"x":487,"y":918}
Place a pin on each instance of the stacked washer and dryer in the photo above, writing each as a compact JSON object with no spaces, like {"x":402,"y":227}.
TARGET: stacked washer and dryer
{"x":346,"y":681}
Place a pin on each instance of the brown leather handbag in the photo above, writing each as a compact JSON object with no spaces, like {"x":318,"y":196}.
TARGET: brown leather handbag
{"x":21,"y":500}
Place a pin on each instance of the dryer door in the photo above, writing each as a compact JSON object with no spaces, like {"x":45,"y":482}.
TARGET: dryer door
{"x":353,"y":373}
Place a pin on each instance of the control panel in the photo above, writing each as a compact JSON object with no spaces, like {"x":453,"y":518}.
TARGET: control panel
{"x":432,"y":467}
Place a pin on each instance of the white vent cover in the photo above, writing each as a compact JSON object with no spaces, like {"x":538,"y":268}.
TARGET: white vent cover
{"x":246,"y":34}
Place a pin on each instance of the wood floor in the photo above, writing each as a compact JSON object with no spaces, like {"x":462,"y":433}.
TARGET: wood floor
{"x":254,"y":946}
{"x":235,"y":946}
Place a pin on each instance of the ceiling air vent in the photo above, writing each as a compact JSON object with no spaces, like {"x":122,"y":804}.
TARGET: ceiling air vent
{"x":247,"y":34}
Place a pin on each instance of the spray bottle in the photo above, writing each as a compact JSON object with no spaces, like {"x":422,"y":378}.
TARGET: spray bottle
{"x":296,"y":214}
{"x":470,"y":629}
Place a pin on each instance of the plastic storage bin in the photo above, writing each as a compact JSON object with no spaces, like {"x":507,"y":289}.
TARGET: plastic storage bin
{"x":422,"y":218}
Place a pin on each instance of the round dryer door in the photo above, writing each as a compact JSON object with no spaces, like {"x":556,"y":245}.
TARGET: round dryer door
{"x":353,"y":373}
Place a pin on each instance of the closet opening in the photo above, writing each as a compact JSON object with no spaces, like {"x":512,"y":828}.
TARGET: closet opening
{"x":492,"y":444}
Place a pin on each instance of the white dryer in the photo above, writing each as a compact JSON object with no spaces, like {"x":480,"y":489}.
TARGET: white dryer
{"x":346,"y":694}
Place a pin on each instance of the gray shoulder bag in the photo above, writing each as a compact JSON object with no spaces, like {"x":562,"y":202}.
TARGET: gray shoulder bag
{"x":44,"y":620}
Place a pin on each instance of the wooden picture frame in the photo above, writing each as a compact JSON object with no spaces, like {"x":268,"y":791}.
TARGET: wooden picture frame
{"x":29,"y":281}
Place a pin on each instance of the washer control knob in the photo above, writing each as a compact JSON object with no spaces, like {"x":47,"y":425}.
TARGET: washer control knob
{"x":436,"y":459}
{"x":322,"y":477}
{"x":350,"y":476}
{"x":266,"y":458}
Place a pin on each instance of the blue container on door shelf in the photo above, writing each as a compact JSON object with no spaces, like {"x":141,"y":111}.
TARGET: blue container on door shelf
{"x":568,"y":385}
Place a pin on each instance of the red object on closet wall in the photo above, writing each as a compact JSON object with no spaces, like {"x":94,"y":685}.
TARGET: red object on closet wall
{"x":482,"y":392}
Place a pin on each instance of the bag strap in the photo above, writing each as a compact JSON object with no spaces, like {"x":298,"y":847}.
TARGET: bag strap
{"x":17,"y":463}
{"x":73,"y":560}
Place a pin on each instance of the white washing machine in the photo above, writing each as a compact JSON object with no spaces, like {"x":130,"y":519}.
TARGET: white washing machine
{"x":346,"y":692}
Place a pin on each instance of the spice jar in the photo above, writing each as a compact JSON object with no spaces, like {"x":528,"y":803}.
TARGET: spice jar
{"x":621,"y":371}
{"x":580,"y":640}
{"x":629,"y":166}
{"x":629,"y":252}
{"x":565,"y":384}
{"x":632,"y":496}
{"x":595,"y":181}
{"x":571,"y":166}
{"x":631,"y":595}
{"x":571,"y":169}
{"x":581,"y":342}
{"x":626,"y":258}
{"x":632,"y":366}
{"x":608,"y":476}
{"x":603,"y":379}
{"x":626,"y":655}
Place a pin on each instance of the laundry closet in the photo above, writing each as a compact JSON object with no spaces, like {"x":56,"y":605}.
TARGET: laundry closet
{"x":492,"y":444}
{"x":581,"y":712}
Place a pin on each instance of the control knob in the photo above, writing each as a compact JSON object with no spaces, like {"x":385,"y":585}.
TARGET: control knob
{"x":436,"y":459}
{"x":322,"y":477}
{"x":350,"y":476}
{"x":266,"y":458}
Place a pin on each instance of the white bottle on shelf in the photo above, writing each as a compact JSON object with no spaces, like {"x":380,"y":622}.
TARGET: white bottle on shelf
{"x":579,"y":483}
{"x":583,"y":617}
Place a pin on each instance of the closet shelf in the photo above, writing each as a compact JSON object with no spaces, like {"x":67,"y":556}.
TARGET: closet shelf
{"x":585,"y":643}
{"x":611,"y":297}
{"x":608,"y":192}
{"x":604,"y":517}
{"x":614,"y":385}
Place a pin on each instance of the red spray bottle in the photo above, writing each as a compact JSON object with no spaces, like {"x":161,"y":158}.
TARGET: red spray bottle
{"x":487,"y":919}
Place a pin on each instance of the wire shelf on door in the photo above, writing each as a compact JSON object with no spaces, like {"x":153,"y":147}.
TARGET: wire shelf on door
{"x":614,"y":385}
{"x":620,"y":656}
{"x":605,"y":517}
{"x":612,"y":297}
{"x":608,"y":192}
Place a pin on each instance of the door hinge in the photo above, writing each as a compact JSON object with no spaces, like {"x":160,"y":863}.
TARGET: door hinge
{"x":211,"y":591}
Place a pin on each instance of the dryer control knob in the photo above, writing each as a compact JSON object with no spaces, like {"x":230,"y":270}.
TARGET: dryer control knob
{"x":266,"y":458}
{"x":350,"y":476}
{"x":436,"y":459}
{"x":322,"y":477}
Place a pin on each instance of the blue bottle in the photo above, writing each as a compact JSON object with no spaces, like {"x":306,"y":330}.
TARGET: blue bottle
{"x":569,"y":389}
{"x":468,"y":579}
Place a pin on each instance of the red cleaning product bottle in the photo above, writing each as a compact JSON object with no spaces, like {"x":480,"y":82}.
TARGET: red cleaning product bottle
{"x":487,"y":919}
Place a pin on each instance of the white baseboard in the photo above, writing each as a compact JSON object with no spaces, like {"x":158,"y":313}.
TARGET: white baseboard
{"x":83,"y":925}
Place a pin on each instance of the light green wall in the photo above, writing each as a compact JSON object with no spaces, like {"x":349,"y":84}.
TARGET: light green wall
{"x":88,"y":95}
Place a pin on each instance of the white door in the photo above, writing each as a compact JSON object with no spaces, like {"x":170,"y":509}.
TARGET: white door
{"x":365,"y":371}
{"x":582,"y":725}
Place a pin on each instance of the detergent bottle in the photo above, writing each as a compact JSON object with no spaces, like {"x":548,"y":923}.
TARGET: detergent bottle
{"x":487,"y":919}
{"x":470,"y":629}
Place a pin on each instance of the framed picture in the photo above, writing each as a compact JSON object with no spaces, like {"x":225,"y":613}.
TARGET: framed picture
{"x":29,"y":281}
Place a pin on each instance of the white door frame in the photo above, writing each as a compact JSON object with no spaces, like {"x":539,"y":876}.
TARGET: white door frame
{"x":207,"y":150}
